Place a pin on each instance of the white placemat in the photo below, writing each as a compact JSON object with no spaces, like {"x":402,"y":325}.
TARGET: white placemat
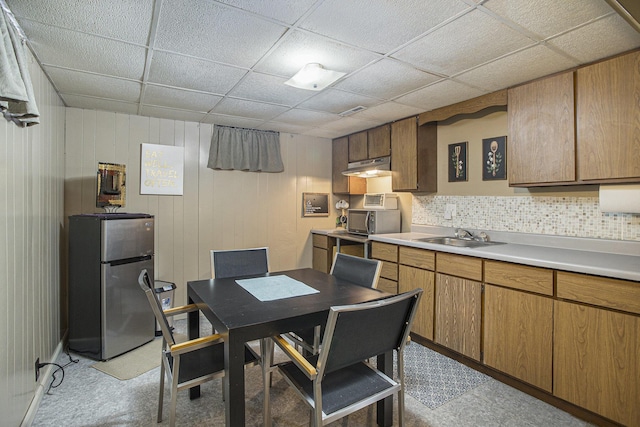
{"x":275,"y":287}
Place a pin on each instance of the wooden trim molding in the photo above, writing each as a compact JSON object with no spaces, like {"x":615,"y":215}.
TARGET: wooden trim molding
{"x":470,"y":106}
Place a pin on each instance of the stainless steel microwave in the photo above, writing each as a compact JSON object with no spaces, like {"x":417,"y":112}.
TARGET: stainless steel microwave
{"x":366,"y":221}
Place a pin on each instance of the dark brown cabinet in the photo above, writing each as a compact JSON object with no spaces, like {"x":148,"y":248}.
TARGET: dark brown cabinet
{"x":342,"y":184}
{"x":414,"y":156}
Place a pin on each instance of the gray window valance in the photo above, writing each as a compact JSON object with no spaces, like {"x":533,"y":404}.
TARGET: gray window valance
{"x":17,"y":101}
{"x":245,"y":149}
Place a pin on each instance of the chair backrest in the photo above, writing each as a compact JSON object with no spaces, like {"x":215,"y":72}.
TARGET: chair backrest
{"x":239,"y":262}
{"x":360,"y":331}
{"x":358,"y":270}
{"x":147,"y":286}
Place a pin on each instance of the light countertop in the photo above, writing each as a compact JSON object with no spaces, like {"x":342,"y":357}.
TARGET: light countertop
{"x":609,"y":258}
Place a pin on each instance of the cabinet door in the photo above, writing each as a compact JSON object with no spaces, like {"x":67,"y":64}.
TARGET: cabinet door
{"x":518,"y":330}
{"x":320,"y":257}
{"x":358,"y":146}
{"x":340,"y":159}
{"x":595,"y":361}
{"x":458,"y":311}
{"x":404,"y":165}
{"x":379,"y":141}
{"x":608,"y":119}
{"x":411,"y":278}
{"x":541,"y":146}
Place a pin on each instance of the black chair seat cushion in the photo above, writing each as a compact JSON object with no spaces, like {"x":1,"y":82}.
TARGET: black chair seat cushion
{"x":205,"y":361}
{"x":340,"y":388}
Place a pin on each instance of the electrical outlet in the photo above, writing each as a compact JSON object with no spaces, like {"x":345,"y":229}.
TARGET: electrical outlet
{"x":37,"y":366}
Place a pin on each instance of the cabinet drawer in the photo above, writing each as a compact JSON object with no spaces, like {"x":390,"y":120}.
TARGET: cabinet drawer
{"x":387,"y":285}
{"x":415,"y":257}
{"x":384,"y":251}
{"x":459,"y":265}
{"x":612,"y":293}
{"x":389,"y":270}
{"x":321,"y":241}
{"x":525,"y":278}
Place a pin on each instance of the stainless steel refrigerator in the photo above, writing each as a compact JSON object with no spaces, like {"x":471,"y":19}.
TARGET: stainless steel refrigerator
{"x":108,"y":312}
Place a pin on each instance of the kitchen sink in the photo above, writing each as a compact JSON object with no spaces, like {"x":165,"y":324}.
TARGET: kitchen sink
{"x":454,"y":241}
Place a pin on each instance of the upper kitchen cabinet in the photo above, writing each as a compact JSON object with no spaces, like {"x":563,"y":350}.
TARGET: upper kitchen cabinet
{"x":541,"y":148}
{"x":414,"y":158}
{"x":342,"y":184}
{"x":370,"y":144}
{"x":608,"y":119}
{"x":358,"y":146}
{"x":379,"y":141}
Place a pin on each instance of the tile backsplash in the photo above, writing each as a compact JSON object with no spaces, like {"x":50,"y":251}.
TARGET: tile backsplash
{"x":560,"y":216}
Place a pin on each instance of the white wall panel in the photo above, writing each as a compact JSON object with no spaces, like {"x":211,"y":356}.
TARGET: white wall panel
{"x":31,"y":220}
{"x":218,"y":209}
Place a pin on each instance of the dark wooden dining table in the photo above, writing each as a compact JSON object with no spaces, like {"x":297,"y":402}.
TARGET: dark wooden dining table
{"x":240,"y":318}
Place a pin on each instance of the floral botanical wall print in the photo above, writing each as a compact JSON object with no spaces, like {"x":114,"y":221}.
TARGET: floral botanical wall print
{"x":495,"y":160}
{"x":458,"y":162}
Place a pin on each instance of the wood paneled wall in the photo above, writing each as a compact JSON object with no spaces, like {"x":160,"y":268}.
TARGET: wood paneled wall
{"x":31,"y":223}
{"x":218,"y":209}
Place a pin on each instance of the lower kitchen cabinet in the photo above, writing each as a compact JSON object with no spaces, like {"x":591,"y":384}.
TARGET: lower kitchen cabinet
{"x":518,"y":334}
{"x":388,"y":254}
{"x":411,"y":278}
{"x":322,"y":256}
{"x":458,"y":320}
{"x":596,"y":364}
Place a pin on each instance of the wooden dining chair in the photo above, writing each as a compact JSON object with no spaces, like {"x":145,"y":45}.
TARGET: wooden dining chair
{"x":190,"y":363}
{"x":239,"y":262}
{"x":339,"y":380}
{"x":357,"y":270}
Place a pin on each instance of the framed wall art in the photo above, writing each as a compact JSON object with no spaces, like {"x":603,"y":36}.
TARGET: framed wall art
{"x":458,"y":162}
{"x":315,"y":204}
{"x":494,"y":161}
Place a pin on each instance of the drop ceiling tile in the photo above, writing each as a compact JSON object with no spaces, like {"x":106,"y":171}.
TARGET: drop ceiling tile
{"x":470,"y":40}
{"x":180,"y":99}
{"x":119,"y":19}
{"x":209,"y":30}
{"x":85,"y":52}
{"x":605,"y":37}
{"x":322,"y":133}
{"x":79,"y":83}
{"x":300,"y":48}
{"x":336,"y":101}
{"x":283,"y":127}
{"x":548,"y":17}
{"x":348,"y":125}
{"x":518,"y":68}
{"x":170,"y":113}
{"x":249,"y":109}
{"x":237,"y":121}
{"x":192,"y":73}
{"x":382,"y":80}
{"x":263,"y":87}
{"x":288,"y":11}
{"x":440,"y":94}
{"x":306,"y":117}
{"x":88,"y":103}
{"x":379,"y":25}
{"x":388,"y":112}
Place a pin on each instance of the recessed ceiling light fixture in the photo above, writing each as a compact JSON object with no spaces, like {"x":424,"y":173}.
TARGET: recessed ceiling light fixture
{"x":314,"y":77}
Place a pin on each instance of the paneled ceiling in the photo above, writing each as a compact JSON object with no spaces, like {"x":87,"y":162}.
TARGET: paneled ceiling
{"x":226,"y":61}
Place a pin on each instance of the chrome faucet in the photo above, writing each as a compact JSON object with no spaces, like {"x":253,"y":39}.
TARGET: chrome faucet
{"x":464,"y":234}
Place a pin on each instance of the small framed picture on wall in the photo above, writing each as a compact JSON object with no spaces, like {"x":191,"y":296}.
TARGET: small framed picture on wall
{"x":494,"y":160}
{"x":458,"y":162}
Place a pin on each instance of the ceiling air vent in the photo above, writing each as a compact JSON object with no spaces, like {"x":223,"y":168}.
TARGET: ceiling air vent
{"x":352,"y":111}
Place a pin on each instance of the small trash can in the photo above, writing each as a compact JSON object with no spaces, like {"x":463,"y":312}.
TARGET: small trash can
{"x":164,"y":292}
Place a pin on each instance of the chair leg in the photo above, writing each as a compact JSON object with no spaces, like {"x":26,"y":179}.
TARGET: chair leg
{"x":174,"y":391}
{"x":161,"y":393}
{"x":266,"y":353}
{"x":401,"y":391}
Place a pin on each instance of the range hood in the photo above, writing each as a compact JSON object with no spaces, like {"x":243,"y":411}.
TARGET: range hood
{"x":369,"y":168}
